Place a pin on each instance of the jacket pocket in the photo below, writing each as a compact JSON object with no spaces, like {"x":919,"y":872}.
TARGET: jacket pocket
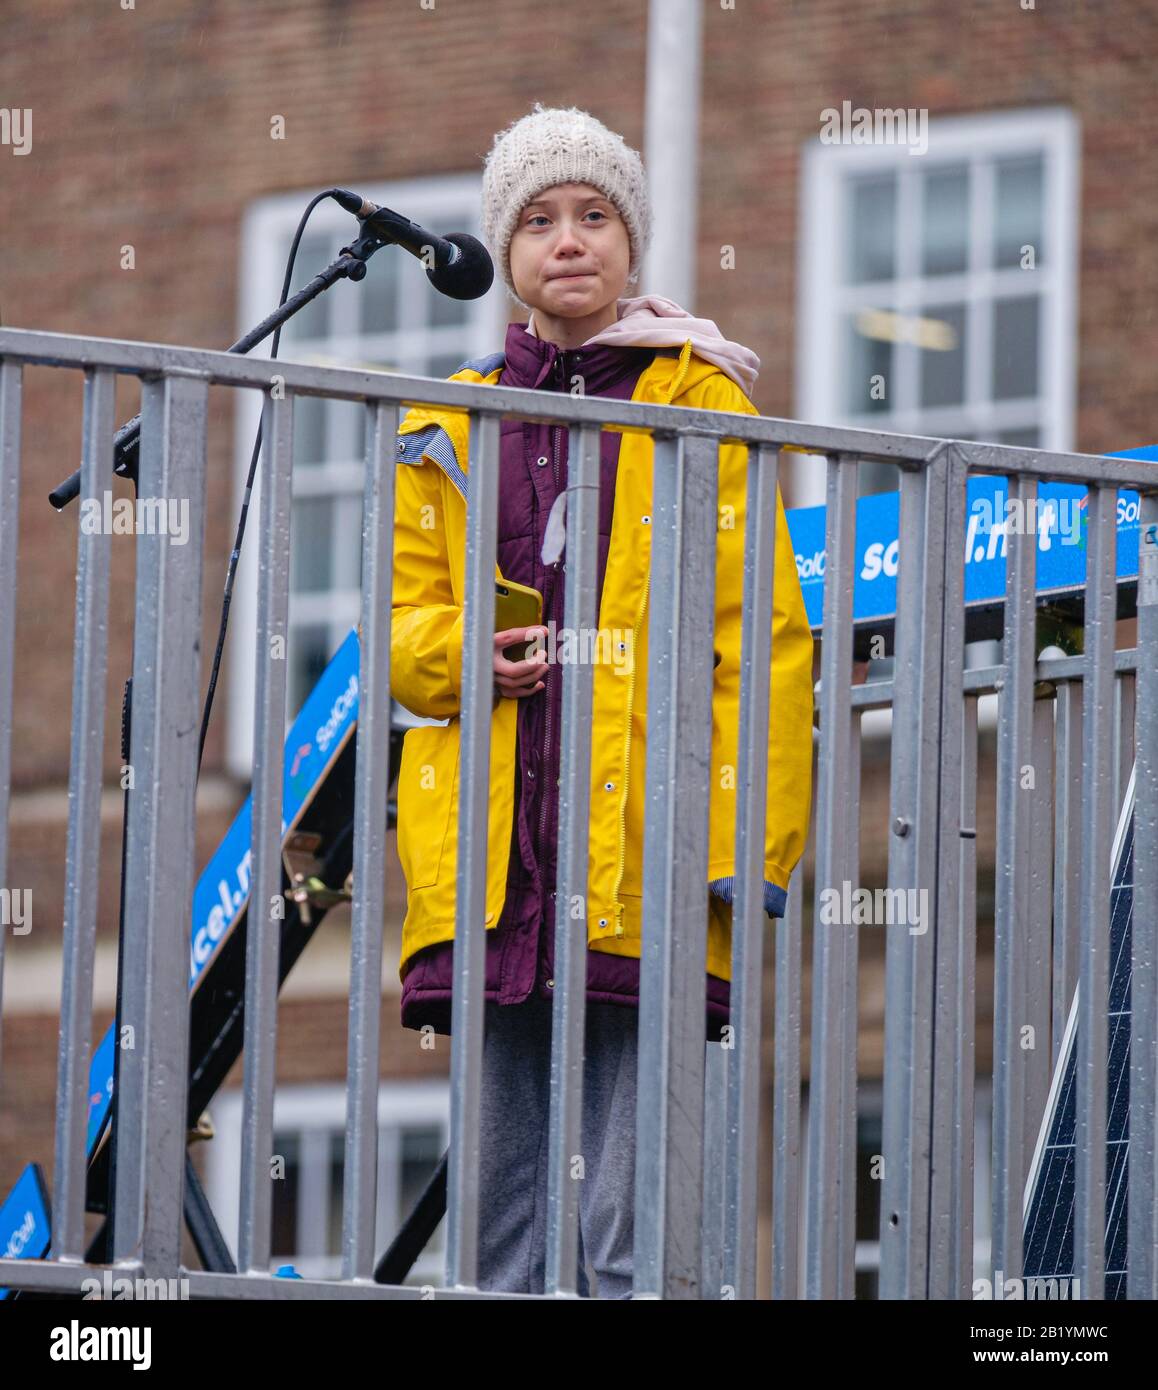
{"x":427,"y":786}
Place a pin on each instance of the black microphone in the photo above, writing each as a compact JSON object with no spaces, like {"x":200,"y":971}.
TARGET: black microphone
{"x":462,"y":268}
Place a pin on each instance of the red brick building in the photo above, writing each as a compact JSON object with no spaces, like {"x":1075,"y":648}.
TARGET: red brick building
{"x":170,"y":152}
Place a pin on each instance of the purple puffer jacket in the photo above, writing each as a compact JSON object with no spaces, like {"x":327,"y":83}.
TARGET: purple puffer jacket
{"x":533,"y":470}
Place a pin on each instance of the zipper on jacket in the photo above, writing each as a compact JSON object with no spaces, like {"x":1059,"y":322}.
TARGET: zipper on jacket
{"x":685,"y":359}
{"x":543,"y":791}
{"x":618,"y":906}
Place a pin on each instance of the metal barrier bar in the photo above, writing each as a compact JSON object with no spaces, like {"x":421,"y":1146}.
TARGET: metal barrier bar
{"x":152,"y":1081}
{"x":673,"y":983}
{"x":266,"y":903}
{"x":1098,"y":817}
{"x":467,"y":1015}
{"x":1123,"y":736}
{"x":742,"y":1057}
{"x":786,"y":1101}
{"x":964,"y":1144}
{"x":929,"y":994}
{"x":1011,"y":1135}
{"x":60,"y":1277}
{"x":1037,"y":1060}
{"x":82,"y":874}
{"x":716,"y":1064}
{"x":850,"y":1023}
{"x":986,"y":680}
{"x":1142,"y":1234}
{"x":351,"y":384}
{"x":11,"y":379}
{"x":951,"y":1095}
{"x":371,"y":790}
{"x":828,"y":1163}
{"x":1067,"y":852}
{"x":569,"y":1006}
{"x":913,"y":862}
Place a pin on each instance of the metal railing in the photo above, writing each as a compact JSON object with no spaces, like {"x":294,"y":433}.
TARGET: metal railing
{"x":926,"y":1196}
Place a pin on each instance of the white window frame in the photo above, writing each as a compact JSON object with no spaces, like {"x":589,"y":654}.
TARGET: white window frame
{"x":320,"y":1111}
{"x":267,"y":227}
{"x":1053,"y":132}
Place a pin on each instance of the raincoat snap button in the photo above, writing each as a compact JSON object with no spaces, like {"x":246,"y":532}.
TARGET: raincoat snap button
{"x":603,"y":921}
{"x":542,"y":462}
{"x":646,"y":520}
{"x":609,"y":786}
{"x":550,"y":984}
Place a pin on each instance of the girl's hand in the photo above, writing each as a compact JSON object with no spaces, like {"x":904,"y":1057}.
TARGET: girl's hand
{"x":516,"y":679}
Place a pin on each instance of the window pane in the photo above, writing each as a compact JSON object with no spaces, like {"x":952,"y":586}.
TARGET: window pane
{"x":421,"y":1150}
{"x":284,"y":1227}
{"x":446,"y":312}
{"x":871,"y":229}
{"x":347,"y":566}
{"x":380,"y":293}
{"x":310,"y":321}
{"x":870,"y":364}
{"x":312,"y":544}
{"x":1023,"y":439}
{"x":1015,"y":348}
{"x":337,"y":1171}
{"x":309,"y":654}
{"x":874,"y":476}
{"x":309,"y":430}
{"x":444,"y":364}
{"x":1018,"y":208}
{"x":940,"y":337}
{"x":945,"y":199}
{"x":869,"y":1144}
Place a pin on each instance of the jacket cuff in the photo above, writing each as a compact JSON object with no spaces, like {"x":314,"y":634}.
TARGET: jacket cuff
{"x":454,"y":657}
{"x":775,"y":897}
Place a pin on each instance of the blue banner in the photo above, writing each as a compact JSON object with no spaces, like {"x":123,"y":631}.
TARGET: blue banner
{"x":1059,"y":519}
{"x":25,"y":1220}
{"x":222,"y":891}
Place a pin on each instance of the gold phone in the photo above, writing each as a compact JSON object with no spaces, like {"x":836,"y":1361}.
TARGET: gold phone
{"x":516,"y":605}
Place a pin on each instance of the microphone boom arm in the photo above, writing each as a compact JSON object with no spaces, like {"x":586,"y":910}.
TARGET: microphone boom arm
{"x":350,"y":265}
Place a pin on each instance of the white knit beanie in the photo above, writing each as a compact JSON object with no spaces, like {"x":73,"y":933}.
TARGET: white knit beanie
{"x":561,"y":145}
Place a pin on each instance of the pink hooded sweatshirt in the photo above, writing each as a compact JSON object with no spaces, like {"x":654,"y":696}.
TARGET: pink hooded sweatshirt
{"x":652,"y":321}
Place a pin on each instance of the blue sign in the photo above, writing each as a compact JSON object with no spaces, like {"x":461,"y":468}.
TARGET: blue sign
{"x":222,"y":891}
{"x":1058,"y":518}
{"x":25,"y":1220}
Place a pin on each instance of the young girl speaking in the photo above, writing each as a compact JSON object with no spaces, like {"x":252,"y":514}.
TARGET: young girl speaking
{"x":566,"y":214}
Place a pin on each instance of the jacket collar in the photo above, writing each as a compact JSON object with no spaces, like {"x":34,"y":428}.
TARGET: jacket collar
{"x":445,"y":432}
{"x":543,"y":366}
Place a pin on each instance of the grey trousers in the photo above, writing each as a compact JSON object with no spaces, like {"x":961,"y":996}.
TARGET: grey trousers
{"x":513,"y":1148}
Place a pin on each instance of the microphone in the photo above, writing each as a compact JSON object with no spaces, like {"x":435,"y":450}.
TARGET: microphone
{"x":462,"y":268}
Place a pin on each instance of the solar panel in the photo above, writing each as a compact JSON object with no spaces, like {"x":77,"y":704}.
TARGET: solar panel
{"x":1049,"y":1201}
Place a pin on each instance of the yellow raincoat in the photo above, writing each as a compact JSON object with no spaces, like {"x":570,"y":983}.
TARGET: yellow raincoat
{"x":426,"y":677}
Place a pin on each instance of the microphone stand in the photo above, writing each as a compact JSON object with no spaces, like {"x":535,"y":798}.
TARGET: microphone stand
{"x":350,"y":265}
